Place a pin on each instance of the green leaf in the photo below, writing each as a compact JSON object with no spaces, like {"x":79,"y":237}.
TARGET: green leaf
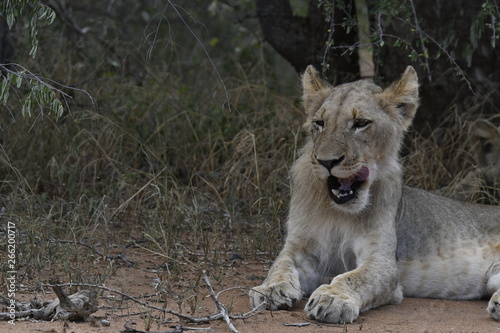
{"x":26,"y":110}
{"x":4,"y":91}
{"x":10,"y":20}
{"x":56,"y":108}
{"x":214,"y":41}
{"x":17,"y":80}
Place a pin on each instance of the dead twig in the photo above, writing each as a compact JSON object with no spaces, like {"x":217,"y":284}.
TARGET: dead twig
{"x":297,"y":324}
{"x":176,"y":329}
{"x":128,"y":329}
{"x":223,"y":310}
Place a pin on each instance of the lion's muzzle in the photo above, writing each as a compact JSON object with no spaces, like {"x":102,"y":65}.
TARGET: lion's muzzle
{"x":342,"y":190}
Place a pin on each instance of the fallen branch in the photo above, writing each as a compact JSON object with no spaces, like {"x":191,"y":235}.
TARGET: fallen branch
{"x":191,"y":319}
{"x":78,"y":306}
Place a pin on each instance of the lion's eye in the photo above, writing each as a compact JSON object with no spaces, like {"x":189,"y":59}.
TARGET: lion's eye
{"x":319,"y":124}
{"x":361,"y":123}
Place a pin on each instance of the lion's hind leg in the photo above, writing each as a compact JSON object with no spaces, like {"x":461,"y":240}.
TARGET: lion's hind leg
{"x":493,"y":286}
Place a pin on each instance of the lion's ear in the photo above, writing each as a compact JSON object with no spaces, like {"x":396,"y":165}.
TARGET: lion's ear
{"x":401,"y":98}
{"x":316,"y":90}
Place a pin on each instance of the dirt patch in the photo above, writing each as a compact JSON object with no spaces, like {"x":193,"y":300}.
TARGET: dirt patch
{"x":413,"y":315}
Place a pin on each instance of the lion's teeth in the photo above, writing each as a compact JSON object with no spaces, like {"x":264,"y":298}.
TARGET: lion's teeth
{"x":340,"y":194}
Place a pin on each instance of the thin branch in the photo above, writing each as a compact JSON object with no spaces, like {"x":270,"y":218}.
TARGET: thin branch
{"x":450,"y":57}
{"x":155,"y":33}
{"x":420,"y":33}
{"x":222,"y":308}
{"x":328,"y":43}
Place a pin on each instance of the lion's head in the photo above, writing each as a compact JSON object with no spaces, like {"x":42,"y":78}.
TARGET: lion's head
{"x":356,"y":130}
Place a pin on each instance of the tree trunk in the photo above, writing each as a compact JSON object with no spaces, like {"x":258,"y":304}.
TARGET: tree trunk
{"x":301,"y":40}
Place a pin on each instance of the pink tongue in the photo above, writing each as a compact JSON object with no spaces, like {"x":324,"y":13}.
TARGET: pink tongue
{"x":361,"y":175}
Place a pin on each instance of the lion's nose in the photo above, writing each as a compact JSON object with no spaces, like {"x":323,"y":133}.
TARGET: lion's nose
{"x":330,"y":164}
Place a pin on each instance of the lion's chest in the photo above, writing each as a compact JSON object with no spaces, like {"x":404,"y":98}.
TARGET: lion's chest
{"x":334,"y":246}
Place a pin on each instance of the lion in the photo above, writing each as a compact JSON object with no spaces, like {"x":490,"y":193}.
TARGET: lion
{"x":352,"y":218}
{"x":483,"y":183}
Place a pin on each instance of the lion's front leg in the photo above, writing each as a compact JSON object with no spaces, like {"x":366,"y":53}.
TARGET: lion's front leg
{"x":291,"y":275}
{"x":361,"y":289}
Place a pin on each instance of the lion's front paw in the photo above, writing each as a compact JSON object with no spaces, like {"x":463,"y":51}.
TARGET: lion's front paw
{"x":494,"y":306}
{"x":275,"y":296}
{"x":324,"y":305}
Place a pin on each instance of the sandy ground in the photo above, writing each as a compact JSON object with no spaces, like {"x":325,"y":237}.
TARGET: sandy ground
{"x":413,"y":315}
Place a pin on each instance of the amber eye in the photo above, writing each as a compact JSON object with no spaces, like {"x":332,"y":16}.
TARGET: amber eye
{"x":361,"y":123}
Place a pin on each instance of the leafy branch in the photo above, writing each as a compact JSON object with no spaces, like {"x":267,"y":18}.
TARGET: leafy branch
{"x":39,"y":15}
{"x":43,"y":93}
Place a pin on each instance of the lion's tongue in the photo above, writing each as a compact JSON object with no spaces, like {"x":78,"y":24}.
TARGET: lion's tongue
{"x":361,"y":175}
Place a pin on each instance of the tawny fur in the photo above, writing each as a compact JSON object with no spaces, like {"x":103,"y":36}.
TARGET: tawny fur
{"x":385,"y":240}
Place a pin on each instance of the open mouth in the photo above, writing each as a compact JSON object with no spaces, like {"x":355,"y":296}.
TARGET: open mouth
{"x":342,"y":190}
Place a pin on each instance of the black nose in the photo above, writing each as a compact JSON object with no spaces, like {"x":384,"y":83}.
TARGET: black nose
{"x":330,"y":164}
